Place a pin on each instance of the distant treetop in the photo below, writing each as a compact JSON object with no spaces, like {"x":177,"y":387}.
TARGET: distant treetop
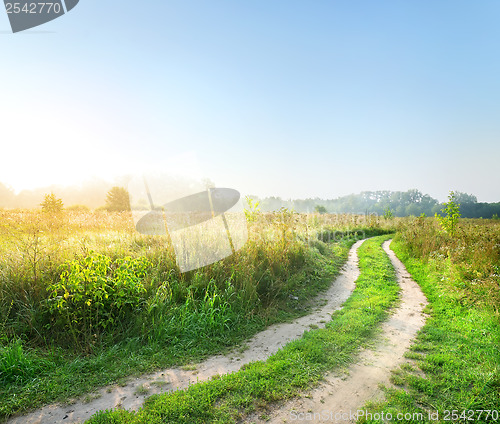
{"x":118,"y":200}
{"x":51,"y":204}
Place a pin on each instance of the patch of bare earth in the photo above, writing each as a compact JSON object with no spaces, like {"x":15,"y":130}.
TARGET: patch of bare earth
{"x":131,"y":394}
{"x":339,"y":398}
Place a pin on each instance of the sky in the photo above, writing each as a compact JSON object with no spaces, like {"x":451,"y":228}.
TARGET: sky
{"x":285,"y":98}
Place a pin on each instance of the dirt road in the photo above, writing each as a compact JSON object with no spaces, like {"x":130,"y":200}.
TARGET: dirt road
{"x":339,"y":398}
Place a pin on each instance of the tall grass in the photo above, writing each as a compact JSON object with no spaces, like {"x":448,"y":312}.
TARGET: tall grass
{"x":469,"y":261}
{"x":37,"y":249}
{"x":84,"y":290}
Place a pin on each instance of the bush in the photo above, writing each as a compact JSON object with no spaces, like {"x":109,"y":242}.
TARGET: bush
{"x":95,"y":294}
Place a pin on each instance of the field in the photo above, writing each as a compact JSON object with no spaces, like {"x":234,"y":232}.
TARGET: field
{"x":85,"y":301}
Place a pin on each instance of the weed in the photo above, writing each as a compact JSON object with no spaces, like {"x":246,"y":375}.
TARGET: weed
{"x":160,"y":383}
{"x":96,"y":293}
{"x":141,"y":390}
{"x":188,"y":367}
{"x":388,"y":213}
{"x":252,"y":210}
{"x":91,"y":397}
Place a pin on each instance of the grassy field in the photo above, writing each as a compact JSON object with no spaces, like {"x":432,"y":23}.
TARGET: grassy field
{"x":86,"y":301}
{"x":296,"y":367}
{"x":454,"y":369}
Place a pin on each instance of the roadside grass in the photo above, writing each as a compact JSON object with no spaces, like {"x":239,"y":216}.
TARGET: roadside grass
{"x":33,"y":376}
{"x":455,"y":359}
{"x":292,"y":370}
{"x":176,"y":319}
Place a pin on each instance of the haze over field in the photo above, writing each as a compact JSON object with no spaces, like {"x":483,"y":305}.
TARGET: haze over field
{"x":284,"y":98}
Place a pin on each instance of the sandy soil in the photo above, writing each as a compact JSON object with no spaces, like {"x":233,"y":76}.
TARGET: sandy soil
{"x":260,"y":347}
{"x":339,"y":398}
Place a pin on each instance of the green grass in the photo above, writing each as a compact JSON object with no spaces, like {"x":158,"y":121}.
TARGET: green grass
{"x":456,"y":355}
{"x":292,"y":370}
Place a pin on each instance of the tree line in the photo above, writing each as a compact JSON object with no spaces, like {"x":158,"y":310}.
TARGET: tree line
{"x":384,"y":202}
{"x":397,"y":203}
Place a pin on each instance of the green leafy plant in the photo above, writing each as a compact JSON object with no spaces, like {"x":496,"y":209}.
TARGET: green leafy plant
{"x":252,"y":210}
{"x":388,"y":213}
{"x":95,"y":293}
{"x":452,"y":210}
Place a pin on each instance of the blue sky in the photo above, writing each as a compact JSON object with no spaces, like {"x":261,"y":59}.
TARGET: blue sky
{"x":289,"y":98}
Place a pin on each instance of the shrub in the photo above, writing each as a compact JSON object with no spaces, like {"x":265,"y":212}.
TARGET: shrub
{"x":95,"y":294}
{"x":252,"y":210}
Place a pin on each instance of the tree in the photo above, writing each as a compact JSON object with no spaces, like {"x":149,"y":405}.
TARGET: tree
{"x":464,"y":198}
{"x":117,"y":200}
{"x":452,"y":210}
{"x":320,"y":209}
{"x":52,"y":204}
